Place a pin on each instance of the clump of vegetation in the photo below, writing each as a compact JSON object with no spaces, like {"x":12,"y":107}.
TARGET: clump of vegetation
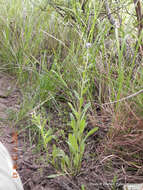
{"x":78,"y":64}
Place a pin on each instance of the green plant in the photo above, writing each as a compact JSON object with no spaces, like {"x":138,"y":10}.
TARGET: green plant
{"x":76,"y":139}
{"x":46,"y":134}
{"x":68,"y":57}
{"x":114,"y":181}
{"x":83,"y":187}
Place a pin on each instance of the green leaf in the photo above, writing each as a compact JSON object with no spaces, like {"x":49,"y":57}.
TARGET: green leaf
{"x":71,"y":116}
{"x":76,"y":94}
{"x":55,"y":175}
{"x":67,"y":160}
{"x":61,"y":153}
{"x":82,"y":126}
{"x":82,"y":187}
{"x":73,"y":125}
{"x":49,"y":132}
{"x":73,"y":110}
{"x":57,"y":152}
{"x":84,"y":90}
{"x":85,"y":109}
{"x":91,"y":132}
{"x":47,"y":140}
{"x":82,"y":147}
{"x":72,"y":142}
{"x":54,"y":152}
{"x":60,"y":78}
{"x":76,"y":160}
{"x":81,"y":101}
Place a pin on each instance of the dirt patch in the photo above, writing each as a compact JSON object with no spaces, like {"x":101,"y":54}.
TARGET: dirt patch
{"x":8,"y":98}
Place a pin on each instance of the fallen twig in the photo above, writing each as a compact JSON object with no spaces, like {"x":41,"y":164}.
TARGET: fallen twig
{"x":125,"y":98}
